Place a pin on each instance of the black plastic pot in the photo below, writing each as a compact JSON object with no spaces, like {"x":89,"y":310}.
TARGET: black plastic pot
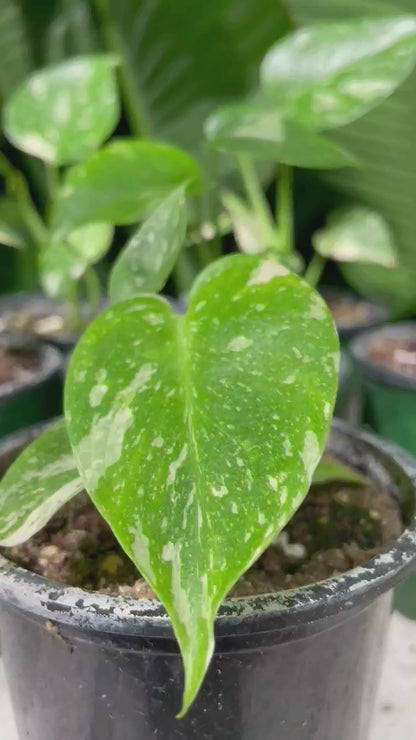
{"x":36,"y":398}
{"x":299,"y":664}
{"x":376,"y":315}
{"x":348,"y":404}
{"x":390,"y":410}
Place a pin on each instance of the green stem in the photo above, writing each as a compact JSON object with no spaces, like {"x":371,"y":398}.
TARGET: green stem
{"x":134,"y":104}
{"x":315,"y":269}
{"x":93,"y":290}
{"x":258,"y":201}
{"x":284,"y":209}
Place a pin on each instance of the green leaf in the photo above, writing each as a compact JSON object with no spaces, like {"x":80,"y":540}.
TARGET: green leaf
{"x":13,"y":231}
{"x":197,"y":436}
{"x":149,"y":256}
{"x":329,"y":470}
{"x":259,"y":129}
{"x":14,"y":47}
{"x":182,"y":59}
{"x":63,"y":113}
{"x":40,"y":481}
{"x":356,"y":234}
{"x":330,"y":74}
{"x":123,"y":183}
{"x":62,"y":262}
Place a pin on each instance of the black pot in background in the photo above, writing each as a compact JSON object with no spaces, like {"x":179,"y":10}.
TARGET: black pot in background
{"x":299,"y":664}
{"x":375,"y":314}
{"x":390,"y":410}
{"x":36,"y":398}
{"x":348,"y":403}
{"x":47,"y":315}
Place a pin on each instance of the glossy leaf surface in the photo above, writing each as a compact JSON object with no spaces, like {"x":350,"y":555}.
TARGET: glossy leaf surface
{"x":327,"y":75}
{"x":260,"y":130}
{"x":63,"y":113}
{"x":38,"y":483}
{"x":356,"y":234}
{"x":123,"y":183}
{"x":145,"y":263}
{"x":197,"y":436}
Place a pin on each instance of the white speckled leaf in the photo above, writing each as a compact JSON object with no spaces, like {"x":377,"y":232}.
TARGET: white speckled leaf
{"x":356,"y":234}
{"x":149,"y":256}
{"x":63,"y":113}
{"x":37,"y":484}
{"x":62,"y":262}
{"x":329,"y":74}
{"x":124,"y":182}
{"x":197,"y":436}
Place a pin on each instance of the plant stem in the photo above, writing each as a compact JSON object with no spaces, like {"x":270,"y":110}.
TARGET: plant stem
{"x":52,"y":181}
{"x":257,"y":200}
{"x":284,"y":209}
{"x":134,"y":104}
{"x":315,"y":269}
{"x":93,"y":289}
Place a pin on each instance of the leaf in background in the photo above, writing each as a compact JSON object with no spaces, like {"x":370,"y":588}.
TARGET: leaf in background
{"x":328,"y":75}
{"x":384,"y":142}
{"x":259,"y":129}
{"x":356,"y":234}
{"x":183,"y":428}
{"x":63,"y":113}
{"x":123,"y":183}
{"x":37,"y":485}
{"x":62,"y":262}
{"x":13,"y":231}
{"x":148,"y":258}
{"x":15,"y":55}
{"x":183,"y":58}
{"x":245,"y":223}
{"x":329,"y":470}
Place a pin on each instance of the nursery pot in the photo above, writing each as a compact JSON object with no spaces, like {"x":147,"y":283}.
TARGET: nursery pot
{"x":353,"y":314}
{"x":348,"y":403}
{"x":298,"y":664}
{"x":390,"y":409}
{"x":36,"y":396}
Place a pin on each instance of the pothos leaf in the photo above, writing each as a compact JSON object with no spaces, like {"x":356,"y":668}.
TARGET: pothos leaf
{"x":329,"y":470}
{"x":39,"y":482}
{"x":327,"y":75}
{"x":64,"y":112}
{"x":62,"y":262}
{"x":145,"y":263}
{"x":356,"y":234}
{"x":123,"y":182}
{"x":197,"y":436}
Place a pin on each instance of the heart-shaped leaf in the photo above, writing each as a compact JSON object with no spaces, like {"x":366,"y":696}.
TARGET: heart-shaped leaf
{"x":259,"y":129}
{"x":146,"y":262}
{"x":329,"y":470}
{"x":329,"y":74}
{"x":123,"y":182}
{"x":356,"y":234}
{"x":63,"y":113}
{"x":197,"y":436}
{"x":40,"y":481}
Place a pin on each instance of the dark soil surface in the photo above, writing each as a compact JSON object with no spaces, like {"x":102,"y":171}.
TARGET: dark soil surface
{"x":17,"y":365}
{"x":337,"y":527}
{"x":398,"y":355}
{"x":348,"y":312}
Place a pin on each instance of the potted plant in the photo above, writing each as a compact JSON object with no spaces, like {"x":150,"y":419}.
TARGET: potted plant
{"x":175,"y":455}
{"x":62,"y":115}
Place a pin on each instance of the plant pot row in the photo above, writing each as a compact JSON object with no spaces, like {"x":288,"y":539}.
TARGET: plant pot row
{"x":301,"y":663}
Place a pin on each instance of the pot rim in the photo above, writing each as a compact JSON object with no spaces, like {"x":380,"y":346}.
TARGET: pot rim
{"x":96,"y":612}
{"x":378,"y":314}
{"x":359,"y":348}
{"x":50,"y":363}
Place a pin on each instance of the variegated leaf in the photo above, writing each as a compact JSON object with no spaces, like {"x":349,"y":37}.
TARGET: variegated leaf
{"x":197,"y":436}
